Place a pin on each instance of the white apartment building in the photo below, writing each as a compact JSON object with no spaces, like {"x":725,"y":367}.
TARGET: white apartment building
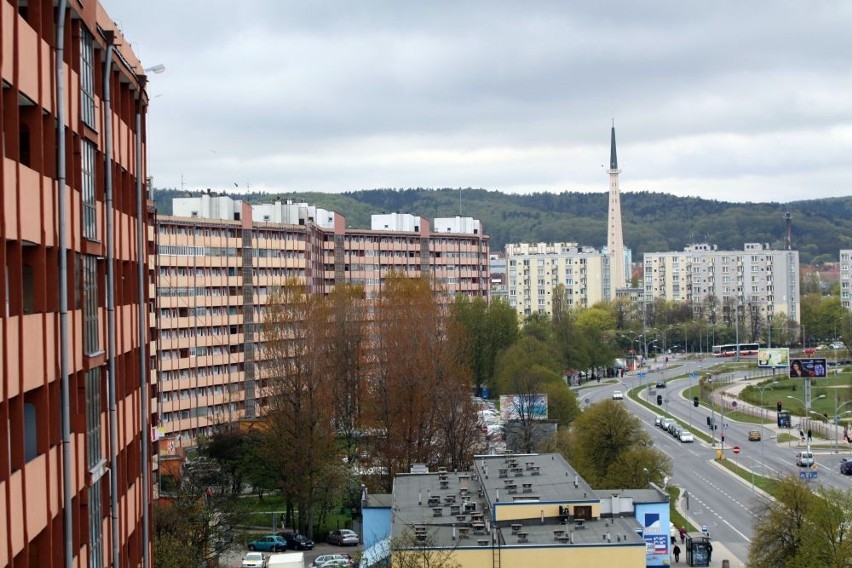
{"x":534,"y":270}
{"x":846,"y":279}
{"x":702,"y":275}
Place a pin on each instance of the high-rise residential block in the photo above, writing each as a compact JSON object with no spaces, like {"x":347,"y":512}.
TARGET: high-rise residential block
{"x":534,"y":271}
{"x":75,"y":450}
{"x":764,"y":280}
{"x":219,"y":260}
{"x":846,"y":279}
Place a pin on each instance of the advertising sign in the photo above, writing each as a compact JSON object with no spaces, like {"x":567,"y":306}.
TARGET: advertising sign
{"x":773,"y":357}
{"x":523,"y":407}
{"x":807,"y":368}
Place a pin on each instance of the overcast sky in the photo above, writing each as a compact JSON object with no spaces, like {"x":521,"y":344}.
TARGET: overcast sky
{"x":730,"y":100}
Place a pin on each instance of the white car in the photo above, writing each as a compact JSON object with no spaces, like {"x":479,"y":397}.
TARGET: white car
{"x":686,"y":436}
{"x":617,"y":395}
{"x":254,"y":560}
{"x":324,"y":559}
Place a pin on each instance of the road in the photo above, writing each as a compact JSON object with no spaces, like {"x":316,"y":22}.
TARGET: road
{"x":725,"y":503}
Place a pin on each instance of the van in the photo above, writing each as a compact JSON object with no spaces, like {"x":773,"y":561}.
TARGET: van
{"x":286,"y":560}
{"x":804,"y":459}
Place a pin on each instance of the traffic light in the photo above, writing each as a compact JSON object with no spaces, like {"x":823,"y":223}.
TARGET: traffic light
{"x":779,"y":406}
{"x":659,"y":400}
{"x":695,"y":401}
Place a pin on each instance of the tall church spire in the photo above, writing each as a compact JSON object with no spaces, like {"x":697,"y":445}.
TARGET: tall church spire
{"x":615,"y":240}
{"x":613,"y":159}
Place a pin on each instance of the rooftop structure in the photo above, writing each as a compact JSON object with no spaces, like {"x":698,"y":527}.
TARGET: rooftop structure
{"x":526,"y":509}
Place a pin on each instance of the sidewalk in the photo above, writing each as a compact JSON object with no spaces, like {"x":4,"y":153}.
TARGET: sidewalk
{"x":720,"y":551}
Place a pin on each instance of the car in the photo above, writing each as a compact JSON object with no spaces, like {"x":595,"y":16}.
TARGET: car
{"x":657,"y":421}
{"x":335,"y":562}
{"x":254,"y":560}
{"x":343,"y":537}
{"x":838,"y":345}
{"x":665,"y":423}
{"x":269,"y":543}
{"x":686,"y":436}
{"x":804,"y":459}
{"x":296,"y":541}
{"x":324,"y":559}
{"x":617,"y":395}
{"x":661,"y":384}
{"x":846,"y":466}
{"x":754,"y":435}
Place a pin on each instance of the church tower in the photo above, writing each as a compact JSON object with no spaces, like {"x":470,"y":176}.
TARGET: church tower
{"x":614,"y":240}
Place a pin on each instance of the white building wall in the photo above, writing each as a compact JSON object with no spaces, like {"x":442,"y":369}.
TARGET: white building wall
{"x":534,"y":270}
{"x":846,"y":278}
{"x":756,"y":275}
{"x":459,"y":225}
{"x":395,"y":222}
{"x":207,"y":206}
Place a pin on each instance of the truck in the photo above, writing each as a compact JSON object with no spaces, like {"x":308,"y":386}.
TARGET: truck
{"x":286,"y":560}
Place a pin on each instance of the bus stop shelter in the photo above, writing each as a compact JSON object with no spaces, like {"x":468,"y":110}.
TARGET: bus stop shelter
{"x":698,"y":549}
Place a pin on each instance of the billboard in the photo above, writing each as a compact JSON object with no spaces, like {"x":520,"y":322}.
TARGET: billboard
{"x":523,"y":407}
{"x":773,"y":357}
{"x":807,"y":368}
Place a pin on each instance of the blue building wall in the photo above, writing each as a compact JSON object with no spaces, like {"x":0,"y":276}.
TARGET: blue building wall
{"x":654,"y":518}
{"x":377,"y":525}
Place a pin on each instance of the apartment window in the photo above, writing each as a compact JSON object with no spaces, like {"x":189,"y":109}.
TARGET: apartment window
{"x":90,"y":228}
{"x":96,"y":537}
{"x":93,"y":416}
{"x":87,"y":79}
{"x":30,"y":431}
{"x":90,"y":304}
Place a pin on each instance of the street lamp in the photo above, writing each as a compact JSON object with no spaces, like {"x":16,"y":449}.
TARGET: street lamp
{"x":807,"y":406}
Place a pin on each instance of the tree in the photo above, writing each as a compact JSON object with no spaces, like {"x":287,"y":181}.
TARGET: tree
{"x":196,"y":522}
{"x":346,"y":356}
{"x":409,"y":551}
{"x":488,"y":329}
{"x":419,"y":391}
{"x":780,"y":526}
{"x":299,"y":437}
{"x":604,"y":438}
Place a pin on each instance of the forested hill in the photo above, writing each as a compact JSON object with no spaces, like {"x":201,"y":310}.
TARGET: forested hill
{"x":652,"y":222}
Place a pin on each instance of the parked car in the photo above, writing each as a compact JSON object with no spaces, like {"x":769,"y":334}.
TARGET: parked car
{"x":754,"y":435}
{"x":665,"y":423}
{"x":657,"y":421}
{"x":804,"y":459}
{"x":296,"y":541}
{"x":686,"y":436}
{"x":323,"y":559}
{"x":617,"y":395}
{"x":254,"y":560}
{"x":269,"y":543}
{"x":846,"y":466}
{"x":343,"y":537}
{"x":335,"y":562}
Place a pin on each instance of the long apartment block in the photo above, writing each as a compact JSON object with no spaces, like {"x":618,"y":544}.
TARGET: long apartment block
{"x":75,"y":449}
{"x":702,"y":275}
{"x":219,"y":259}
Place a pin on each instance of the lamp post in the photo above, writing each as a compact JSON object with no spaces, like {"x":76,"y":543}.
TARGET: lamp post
{"x":837,"y":418}
{"x":807,"y":404}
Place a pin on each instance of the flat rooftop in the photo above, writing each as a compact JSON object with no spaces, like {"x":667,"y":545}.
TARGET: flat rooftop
{"x":449,"y":509}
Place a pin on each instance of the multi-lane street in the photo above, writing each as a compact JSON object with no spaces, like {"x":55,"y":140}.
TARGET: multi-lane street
{"x":725,"y":503}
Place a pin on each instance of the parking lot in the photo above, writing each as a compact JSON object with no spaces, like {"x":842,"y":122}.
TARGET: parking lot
{"x":234,"y":558}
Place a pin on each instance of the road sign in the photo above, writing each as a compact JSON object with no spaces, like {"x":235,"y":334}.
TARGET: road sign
{"x":725,"y":426}
{"x":808,"y":475}
{"x":736,"y":449}
{"x":693,"y":375}
{"x":641,"y":375}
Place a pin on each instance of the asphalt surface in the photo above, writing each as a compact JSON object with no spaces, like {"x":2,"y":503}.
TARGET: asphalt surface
{"x":233,"y":558}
